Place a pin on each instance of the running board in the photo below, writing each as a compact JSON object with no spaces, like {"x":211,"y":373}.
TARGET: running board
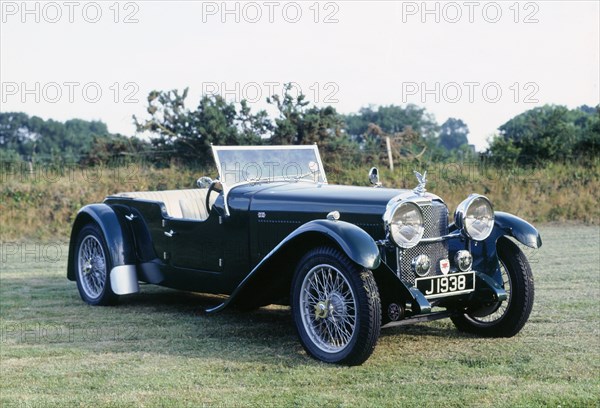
{"x":418,"y":319}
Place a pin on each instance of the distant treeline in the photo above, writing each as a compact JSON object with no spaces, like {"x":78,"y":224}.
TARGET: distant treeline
{"x":175,"y":133}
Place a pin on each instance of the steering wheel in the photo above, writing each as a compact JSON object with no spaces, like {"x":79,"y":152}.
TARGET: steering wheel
{"x":213,"y":187}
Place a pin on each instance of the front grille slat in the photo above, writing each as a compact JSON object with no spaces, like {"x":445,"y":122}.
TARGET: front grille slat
{"x":435,"y":218}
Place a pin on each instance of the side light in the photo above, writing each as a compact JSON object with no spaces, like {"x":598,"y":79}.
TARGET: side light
{"x":463,"y":260}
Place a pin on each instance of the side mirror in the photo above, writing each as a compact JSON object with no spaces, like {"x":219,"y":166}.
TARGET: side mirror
{"x":374,"y":177}
{"x":204,"y":182}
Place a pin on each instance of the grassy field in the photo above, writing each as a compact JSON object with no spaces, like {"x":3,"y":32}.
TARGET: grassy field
{"x":157,"y":348}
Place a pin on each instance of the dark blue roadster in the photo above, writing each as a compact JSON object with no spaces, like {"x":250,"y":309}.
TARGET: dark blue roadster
{"x":348,"y":260}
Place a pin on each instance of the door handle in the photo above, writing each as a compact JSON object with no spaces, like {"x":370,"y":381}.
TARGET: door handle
{"x":170,"y":233}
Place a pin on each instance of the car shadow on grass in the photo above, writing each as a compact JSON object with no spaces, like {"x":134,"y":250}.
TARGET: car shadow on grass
{"x":175,"y":322}
{"x":247,"y":335}
{"x":430,"y":329}
{"x":164,"y":321}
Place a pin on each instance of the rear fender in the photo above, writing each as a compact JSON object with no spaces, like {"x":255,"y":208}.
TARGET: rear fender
{"x":119,"y":241}
{"x":274,"y":272}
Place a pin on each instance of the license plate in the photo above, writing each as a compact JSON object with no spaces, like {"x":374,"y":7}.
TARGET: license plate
{"x":446,"y":285}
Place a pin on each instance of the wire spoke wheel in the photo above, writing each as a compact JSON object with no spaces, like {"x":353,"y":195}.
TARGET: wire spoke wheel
{"x":506,"y":318}
{"x":92,"y":267}
{"x":497,"y":312}
{"x":328,"y":308}
{"x":336,"y":307}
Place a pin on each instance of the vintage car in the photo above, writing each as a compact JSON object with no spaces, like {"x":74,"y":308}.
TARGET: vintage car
{"x":347,"y":259}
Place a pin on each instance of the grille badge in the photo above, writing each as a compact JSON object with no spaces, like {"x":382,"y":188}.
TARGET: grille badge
{"x":445,"y":266}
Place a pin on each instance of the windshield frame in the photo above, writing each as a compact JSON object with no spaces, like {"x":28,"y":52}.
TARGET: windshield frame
{"x":227,"y":188}
{"x":314,"y":148}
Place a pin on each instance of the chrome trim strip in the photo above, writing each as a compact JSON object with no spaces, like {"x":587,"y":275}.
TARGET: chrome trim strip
{"x":123,"y":280}
{"x":440,"y":239}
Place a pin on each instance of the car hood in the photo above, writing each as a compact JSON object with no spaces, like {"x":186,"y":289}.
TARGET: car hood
{"x":318,"y":198}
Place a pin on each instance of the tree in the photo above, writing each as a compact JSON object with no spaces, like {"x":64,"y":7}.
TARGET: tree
{"x":299,"y":124}
{"x":548,"y":133}
{"x":187,"y":134}
{"x":391,"y":119}
{"x":453,"y":134}
{"x":407,"y":144}
{"x":35,"y":139}
{"x":115,"y":149}
{"x":15,"y":133}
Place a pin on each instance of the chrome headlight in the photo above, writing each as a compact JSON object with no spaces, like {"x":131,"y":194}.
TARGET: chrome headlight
{"x":475,"y":216}
{"x":405,"y":224}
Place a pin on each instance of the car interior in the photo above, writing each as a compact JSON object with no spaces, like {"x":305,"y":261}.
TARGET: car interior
{"x":187,"y":204}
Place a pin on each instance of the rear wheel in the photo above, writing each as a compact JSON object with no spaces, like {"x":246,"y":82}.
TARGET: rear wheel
{"x":336,"y":307}
{"x":92,"y":267}
{"x":507,"y":318}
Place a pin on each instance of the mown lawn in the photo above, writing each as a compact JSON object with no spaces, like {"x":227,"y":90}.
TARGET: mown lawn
{"x":157,"y":348}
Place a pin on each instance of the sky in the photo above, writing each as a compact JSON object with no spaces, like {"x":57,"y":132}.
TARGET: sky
{"x":481,"y":61}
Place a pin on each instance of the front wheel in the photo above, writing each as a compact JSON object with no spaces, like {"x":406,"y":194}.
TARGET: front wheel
{"x":336,"y":307}
{"x":507,"y":318}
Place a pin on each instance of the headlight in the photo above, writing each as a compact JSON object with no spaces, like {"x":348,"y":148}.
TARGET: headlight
{"x":475,"y":216}
{"x":405,"y":224}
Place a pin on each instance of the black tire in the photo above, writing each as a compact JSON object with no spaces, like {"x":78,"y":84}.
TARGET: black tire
{"x":92,"y":265}
{"x":340,"y":320}
{"x":504,"y":319}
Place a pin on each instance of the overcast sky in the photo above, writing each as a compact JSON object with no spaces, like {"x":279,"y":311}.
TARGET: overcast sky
{"x":480,"y":61}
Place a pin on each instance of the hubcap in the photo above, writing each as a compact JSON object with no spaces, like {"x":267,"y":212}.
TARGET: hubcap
{"x":92,"y":266}
{"x":328,"y":308}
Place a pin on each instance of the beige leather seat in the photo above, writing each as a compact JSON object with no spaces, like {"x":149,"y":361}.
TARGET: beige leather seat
{"x":188,"y":204}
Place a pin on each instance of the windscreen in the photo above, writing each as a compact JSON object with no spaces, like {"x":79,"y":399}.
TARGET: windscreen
{"x":241,"y":164}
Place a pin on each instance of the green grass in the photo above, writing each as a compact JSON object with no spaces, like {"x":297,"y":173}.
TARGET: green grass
{"x":158,"y":349}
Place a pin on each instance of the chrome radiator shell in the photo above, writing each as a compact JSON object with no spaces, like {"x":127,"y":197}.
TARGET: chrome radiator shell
{"x":435,"y":218}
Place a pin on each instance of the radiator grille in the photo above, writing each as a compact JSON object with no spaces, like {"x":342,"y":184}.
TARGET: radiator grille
{"x":435,"y":217}
{"x":436,"y":225}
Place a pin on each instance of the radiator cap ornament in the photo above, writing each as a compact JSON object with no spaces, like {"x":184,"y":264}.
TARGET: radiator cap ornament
{"x":420,"y":188}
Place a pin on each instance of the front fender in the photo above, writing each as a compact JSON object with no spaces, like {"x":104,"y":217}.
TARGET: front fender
{"x":521,"y":230}
{"x":116,"y":234}
{"x":352,"y":240}
{"x":485,"y":256}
